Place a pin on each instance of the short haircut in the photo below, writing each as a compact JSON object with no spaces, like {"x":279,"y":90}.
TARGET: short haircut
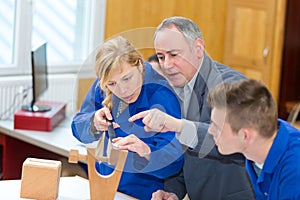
{"x":248,"y":104}
{"x":187,"y":27}
{"x":153,"y":58}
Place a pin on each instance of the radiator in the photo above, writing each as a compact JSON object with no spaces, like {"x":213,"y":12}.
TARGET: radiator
{"x":17,"y":91}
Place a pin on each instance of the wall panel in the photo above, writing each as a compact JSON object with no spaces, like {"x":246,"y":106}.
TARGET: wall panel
{"x":124,"y":16}
{"x":128,"y":17}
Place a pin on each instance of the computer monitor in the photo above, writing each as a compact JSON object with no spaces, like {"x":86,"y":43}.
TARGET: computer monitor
{"x":39,"y":78}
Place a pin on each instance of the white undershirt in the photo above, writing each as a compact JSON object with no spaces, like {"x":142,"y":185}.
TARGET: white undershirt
{"x":188,"y":135}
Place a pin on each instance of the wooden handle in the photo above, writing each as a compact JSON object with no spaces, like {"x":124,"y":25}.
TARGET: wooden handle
{"x":74,"y":156}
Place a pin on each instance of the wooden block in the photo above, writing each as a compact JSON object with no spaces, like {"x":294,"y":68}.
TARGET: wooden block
{"x":40,"y":179}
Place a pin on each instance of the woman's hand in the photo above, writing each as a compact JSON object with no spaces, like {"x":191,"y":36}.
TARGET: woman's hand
{"x":134,"y":144}
{"x":100,"y":119}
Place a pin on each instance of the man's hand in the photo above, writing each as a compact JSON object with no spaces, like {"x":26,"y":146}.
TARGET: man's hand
{"x":158,"y":121}
{"x":163,"y":195}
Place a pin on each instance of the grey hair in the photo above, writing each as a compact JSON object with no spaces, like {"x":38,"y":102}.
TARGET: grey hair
{"x":187,"y":27}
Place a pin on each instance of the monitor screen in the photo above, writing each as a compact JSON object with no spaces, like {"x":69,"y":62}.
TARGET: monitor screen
{"x":39,"y":77}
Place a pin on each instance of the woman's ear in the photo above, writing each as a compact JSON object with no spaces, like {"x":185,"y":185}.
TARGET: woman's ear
{"x":141,"y":67}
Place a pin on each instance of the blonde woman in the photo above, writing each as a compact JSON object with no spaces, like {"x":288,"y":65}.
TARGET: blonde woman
{"x":128,"y":85}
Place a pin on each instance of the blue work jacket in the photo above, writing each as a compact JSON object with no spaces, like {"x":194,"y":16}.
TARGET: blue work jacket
{"x":280,"y":175}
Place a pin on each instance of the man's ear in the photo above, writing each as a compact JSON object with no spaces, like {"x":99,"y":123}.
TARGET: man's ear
{"x":246,"y":135}
{"x":199,"y":46}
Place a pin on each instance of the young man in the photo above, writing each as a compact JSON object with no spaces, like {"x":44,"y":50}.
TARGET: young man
{"x":244,"y":119}
{"x":180,"y":49}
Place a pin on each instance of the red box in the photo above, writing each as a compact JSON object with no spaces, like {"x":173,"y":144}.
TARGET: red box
{"x":40,"y":121}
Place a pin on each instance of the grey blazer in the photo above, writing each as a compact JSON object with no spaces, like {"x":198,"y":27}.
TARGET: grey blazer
{"x":206,"y":173}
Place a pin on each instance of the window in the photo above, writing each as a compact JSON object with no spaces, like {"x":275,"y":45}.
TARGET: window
{"x":7,"y":24}
{"x":71,"y":28}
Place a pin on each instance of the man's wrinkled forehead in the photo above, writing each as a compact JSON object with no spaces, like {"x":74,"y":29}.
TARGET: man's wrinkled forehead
{"x":169,"y":39}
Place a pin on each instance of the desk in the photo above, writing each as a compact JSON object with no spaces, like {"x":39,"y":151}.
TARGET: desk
{"x":20,"y":144}
{"x":69,"y":188}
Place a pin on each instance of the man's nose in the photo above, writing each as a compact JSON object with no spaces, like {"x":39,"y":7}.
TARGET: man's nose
{"x":168,"y":63}
{"x":209,"y":130}
{"x":212,"y":131}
